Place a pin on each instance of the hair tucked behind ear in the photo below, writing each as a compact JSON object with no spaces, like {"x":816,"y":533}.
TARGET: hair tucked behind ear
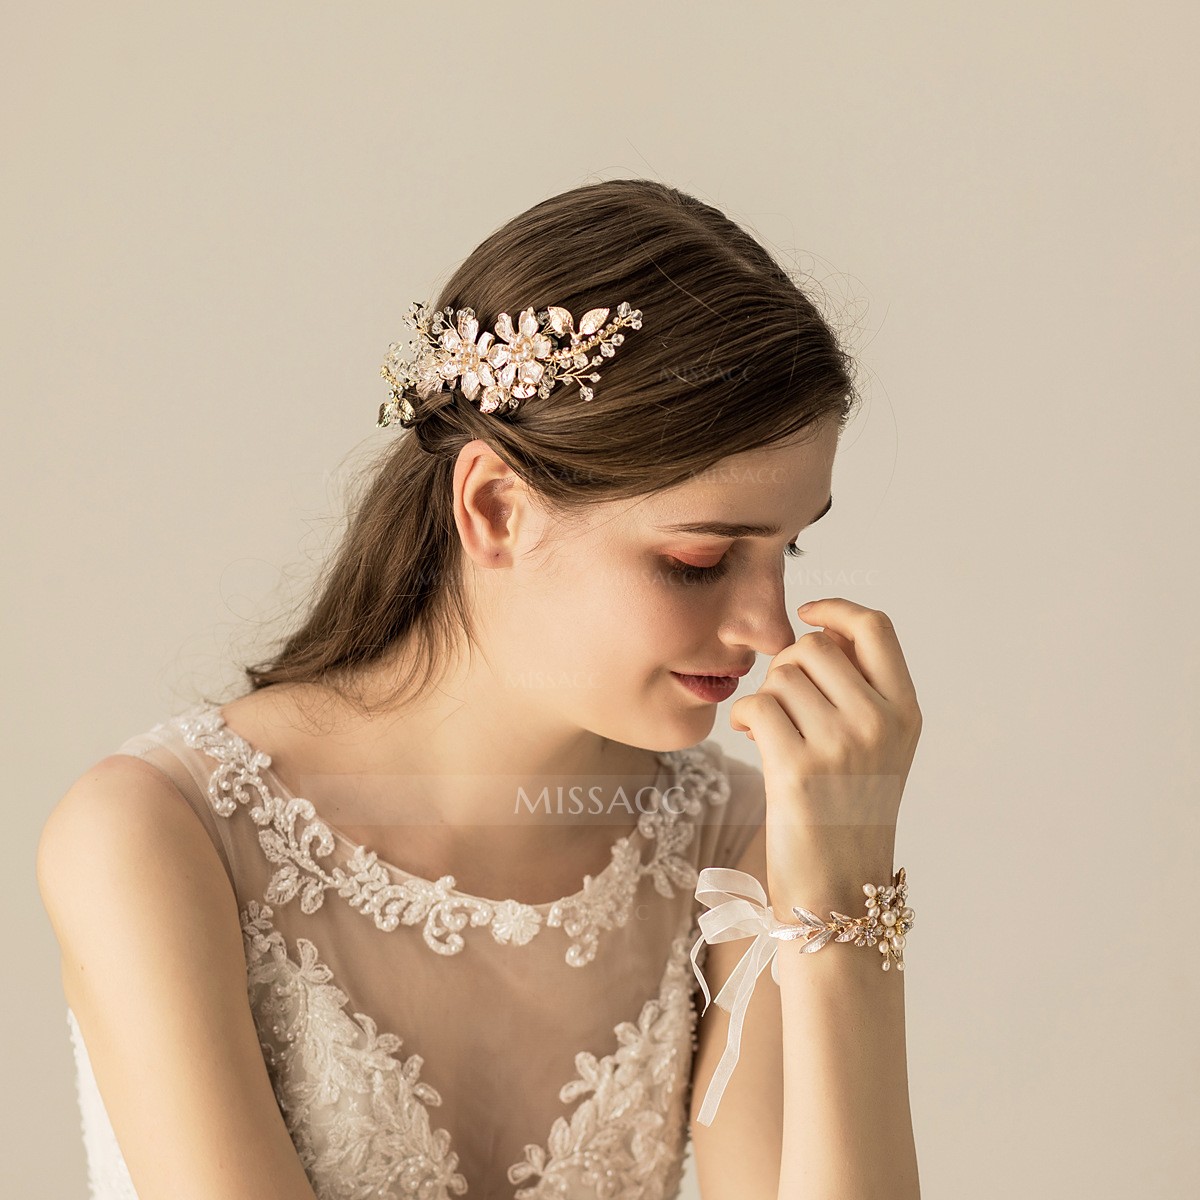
{"x":731,"y":356}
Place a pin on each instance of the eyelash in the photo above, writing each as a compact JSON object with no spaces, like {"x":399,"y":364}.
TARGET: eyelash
{"x":687,"y":573}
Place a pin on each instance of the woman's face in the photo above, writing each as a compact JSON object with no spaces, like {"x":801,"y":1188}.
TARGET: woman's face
{"x":591,"y":624}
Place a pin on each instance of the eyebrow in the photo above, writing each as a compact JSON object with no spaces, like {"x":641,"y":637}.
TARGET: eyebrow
{"x":729,"y":530}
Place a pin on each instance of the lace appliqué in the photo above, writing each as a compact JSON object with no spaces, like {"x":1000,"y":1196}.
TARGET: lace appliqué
{"x":358,"y":1114}
{"x":629,"y":1136}
{"x":606,"y":902}
{"x":294,"y":837}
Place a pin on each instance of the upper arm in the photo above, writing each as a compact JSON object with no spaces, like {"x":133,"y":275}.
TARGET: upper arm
{"x":738,"y":1156}
{"x":154,"y":969}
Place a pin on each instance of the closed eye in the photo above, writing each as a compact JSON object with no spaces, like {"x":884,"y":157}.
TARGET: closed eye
{"x":687,"y":573}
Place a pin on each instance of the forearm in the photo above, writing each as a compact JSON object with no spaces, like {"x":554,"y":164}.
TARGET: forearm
{"x":847,"y":1125}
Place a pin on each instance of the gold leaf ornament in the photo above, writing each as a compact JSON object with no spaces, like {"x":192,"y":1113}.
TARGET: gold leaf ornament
{"x":497,"y":368}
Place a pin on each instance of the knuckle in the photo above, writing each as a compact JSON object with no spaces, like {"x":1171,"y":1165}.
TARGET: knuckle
{"x":908,"y":711}
{"x":880,"y":619}
{"x":787,"y":669}
{"x":817,"y":640}
{"x":779,"y":664}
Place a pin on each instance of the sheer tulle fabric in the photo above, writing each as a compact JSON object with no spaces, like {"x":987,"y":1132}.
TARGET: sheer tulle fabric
{"x":425,"y":1042}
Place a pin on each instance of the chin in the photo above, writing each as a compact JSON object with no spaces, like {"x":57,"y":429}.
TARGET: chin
{"x":679,"y":728}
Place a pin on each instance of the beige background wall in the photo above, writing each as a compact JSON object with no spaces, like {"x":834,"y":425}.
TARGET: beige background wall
{"x":214,"y":216}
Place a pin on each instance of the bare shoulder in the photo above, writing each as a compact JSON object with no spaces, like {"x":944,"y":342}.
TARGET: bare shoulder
{"x":121,"y":820}
{"x":153,"y":969}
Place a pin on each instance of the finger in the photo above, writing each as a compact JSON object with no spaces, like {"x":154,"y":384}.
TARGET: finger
{"x":777,"y":739}
{"x":843,"y":643}
{"x":876,"y":645}
{"x":800,"y":696}
{"x":836,"y":680}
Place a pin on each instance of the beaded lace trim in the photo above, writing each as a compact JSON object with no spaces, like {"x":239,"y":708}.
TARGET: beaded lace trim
{"x":294,"y":837}
{"x":329,"y":1070}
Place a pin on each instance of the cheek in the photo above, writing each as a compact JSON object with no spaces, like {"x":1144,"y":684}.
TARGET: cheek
{"x":659,"y":622}
{"x":601,"y":612}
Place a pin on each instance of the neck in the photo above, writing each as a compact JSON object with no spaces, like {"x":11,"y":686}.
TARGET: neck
{"x":469,"y":753}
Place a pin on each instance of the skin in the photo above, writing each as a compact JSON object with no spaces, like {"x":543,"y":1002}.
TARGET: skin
{"x":579,"y":628}
{"x":837,"y":724}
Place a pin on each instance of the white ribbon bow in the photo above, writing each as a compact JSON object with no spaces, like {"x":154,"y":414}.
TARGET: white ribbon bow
{"x":729,"y":918}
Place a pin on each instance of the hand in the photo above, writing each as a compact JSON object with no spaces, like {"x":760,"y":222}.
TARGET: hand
{"x":836,"y":722}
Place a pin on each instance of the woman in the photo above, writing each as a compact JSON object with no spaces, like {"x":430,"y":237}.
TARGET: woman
{"x":421,"y":925}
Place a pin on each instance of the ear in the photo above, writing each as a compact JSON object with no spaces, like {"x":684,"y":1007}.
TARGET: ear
{"x":487,"y":504}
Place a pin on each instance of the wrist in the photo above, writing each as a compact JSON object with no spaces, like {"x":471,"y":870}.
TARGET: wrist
{"x":824,"y":871}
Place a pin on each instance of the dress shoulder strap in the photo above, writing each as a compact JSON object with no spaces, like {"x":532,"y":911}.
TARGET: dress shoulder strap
{"x":164,"y":748}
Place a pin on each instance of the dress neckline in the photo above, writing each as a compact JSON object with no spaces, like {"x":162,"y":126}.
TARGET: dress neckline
{"x":620,"y":851}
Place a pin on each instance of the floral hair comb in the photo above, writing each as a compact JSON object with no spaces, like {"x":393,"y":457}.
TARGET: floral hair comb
{"x":500,"y":368}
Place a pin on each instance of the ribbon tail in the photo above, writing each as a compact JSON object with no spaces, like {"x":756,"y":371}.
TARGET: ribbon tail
{"x":751,"y":965}
{"x":700,"y":974}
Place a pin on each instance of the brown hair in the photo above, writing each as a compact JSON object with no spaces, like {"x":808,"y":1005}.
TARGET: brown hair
{"x":732,"y":355}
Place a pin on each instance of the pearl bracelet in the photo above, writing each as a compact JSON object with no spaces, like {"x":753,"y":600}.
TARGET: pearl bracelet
{"x":887,"y":922}
{"x":738,"y":908}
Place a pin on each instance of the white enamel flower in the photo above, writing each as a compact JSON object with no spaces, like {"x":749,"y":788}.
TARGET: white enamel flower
{"x":464,"y":354}
{"x":517,"y":356}
{"x":497,"y":370}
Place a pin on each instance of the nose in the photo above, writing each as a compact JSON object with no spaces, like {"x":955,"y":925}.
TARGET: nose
{"x":757,"y":615}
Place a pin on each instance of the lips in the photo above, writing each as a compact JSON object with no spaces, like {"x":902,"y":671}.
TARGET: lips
{"x":710,"y":688}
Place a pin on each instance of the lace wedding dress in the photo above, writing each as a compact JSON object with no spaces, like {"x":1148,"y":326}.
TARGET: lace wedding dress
{"x":424,"y":1042}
